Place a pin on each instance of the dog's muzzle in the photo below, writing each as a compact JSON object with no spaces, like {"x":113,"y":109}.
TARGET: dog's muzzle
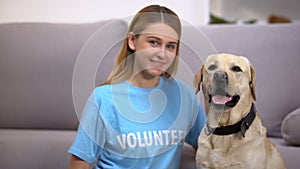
{"x":219,"y":96}
{"x":220,"y":82}
{"x":220,"y":75}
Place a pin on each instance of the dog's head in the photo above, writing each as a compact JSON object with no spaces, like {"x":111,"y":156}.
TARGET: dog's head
{"x":228,"y":84}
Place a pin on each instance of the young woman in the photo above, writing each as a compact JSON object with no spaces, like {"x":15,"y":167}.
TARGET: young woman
{"x":140,"y":117}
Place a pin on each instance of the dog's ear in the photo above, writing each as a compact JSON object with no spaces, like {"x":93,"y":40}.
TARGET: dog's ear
{"x":253,"y":82}
{"x":198,"y":79}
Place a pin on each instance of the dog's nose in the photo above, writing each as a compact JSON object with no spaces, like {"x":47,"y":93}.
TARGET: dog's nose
{"x":220,"y":76}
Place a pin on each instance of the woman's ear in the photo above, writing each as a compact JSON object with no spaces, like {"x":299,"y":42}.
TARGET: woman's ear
{"x":131,"y":40}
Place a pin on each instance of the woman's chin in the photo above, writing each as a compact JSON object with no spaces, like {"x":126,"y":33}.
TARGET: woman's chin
{"x":154,"y":72}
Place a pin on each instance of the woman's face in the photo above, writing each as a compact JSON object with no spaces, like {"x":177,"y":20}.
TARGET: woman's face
{"x":154,"y":49}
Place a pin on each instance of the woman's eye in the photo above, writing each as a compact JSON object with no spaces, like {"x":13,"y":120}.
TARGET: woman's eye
{"x":171,"y":46}
{"x":236,"y":69}
{"x":153,"y":42}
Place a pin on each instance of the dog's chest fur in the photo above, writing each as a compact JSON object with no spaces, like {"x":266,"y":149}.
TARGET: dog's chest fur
{"x":231,"y":151}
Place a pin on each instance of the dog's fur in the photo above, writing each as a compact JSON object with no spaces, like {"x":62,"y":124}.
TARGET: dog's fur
{"x":253,"y":150}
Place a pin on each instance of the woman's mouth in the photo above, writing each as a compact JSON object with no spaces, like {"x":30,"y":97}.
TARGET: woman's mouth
{"x":156,"y":64}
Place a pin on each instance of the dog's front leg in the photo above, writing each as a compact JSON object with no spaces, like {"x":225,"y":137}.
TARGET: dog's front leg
{"x":244,"y":156}
{"x":204,"y":148}
{"x":223,"y":160}
{"x":202,"y":160}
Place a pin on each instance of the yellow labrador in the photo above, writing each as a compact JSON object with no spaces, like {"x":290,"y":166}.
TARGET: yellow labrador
{"x":234,"y":136}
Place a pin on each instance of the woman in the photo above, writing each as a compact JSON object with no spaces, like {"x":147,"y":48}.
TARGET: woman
{"x":140,"y":117}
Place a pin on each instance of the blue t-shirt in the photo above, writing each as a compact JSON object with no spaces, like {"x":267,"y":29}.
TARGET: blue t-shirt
{"x":123,"y":126}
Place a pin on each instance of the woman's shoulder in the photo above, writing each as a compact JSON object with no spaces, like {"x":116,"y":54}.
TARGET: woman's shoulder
{"x":108,"y":88}
{"x":102,"y":90}
{"x":103,"y":87}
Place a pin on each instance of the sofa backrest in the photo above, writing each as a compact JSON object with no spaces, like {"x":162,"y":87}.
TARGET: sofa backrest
{"x":36,"y":68}
{"x":274,"y":51}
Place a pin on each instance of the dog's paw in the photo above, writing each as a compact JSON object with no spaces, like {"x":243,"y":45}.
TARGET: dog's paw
{"x":204,"y":165}
{"x":234,"y":166}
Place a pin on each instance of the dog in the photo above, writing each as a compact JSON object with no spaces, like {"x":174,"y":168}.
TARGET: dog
{"x":234,"y":136}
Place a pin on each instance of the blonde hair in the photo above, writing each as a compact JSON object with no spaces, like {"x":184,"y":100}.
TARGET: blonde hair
{"x":151,"y":14}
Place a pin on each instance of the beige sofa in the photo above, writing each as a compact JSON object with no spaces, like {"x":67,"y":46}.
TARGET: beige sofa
{"x":37,"y":118}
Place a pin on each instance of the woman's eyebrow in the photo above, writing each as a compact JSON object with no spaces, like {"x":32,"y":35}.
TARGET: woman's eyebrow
{"x":173,"y":42}
{"x":158,"y":38}
{"x":151,"y":37}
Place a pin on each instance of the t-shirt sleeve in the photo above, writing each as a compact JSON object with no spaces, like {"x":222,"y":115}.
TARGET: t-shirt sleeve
{"x":84,"y":147}
{"x":193,"y":134}
{"x":90,"y":135}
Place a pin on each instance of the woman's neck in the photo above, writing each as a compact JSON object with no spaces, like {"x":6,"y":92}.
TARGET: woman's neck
{"x":142,"y":82}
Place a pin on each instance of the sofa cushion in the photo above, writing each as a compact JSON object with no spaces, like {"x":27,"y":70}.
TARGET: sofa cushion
{"x":45,"y":149}
{"x":188,"y":157}
{"x":291,"y":126}
{"x":36,"y":69}
{"x":289,"y":153}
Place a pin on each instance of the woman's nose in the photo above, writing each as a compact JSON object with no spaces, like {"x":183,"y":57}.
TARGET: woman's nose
{"x":162,"y":52}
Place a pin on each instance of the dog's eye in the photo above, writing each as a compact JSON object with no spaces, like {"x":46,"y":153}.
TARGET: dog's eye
{"x":212,"y":67}
{"x":236,"y":69}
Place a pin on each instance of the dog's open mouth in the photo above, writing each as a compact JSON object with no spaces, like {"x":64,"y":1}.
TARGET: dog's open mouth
{"x":223,"y":100}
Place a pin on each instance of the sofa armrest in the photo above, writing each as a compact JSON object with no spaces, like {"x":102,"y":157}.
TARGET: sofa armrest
{"x":290,"y":127}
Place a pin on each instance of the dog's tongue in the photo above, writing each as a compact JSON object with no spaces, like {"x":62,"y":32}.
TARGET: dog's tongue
{"x":221,"y":99}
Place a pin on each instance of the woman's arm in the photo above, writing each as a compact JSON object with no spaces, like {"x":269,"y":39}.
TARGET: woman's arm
{"x":78,"y":163}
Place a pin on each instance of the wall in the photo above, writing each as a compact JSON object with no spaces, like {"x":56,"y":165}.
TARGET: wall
{"x":256,"y":9}
{"x":195,"y":12}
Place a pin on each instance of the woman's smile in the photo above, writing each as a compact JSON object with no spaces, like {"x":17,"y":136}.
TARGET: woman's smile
{"x":157,"y":64}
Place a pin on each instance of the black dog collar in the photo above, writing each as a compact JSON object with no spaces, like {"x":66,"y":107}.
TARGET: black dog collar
{"x":241,"y":126}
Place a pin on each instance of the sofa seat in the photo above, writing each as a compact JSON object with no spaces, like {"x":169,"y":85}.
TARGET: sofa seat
{"x":289,"y":152}
{"x":34,"y":148}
